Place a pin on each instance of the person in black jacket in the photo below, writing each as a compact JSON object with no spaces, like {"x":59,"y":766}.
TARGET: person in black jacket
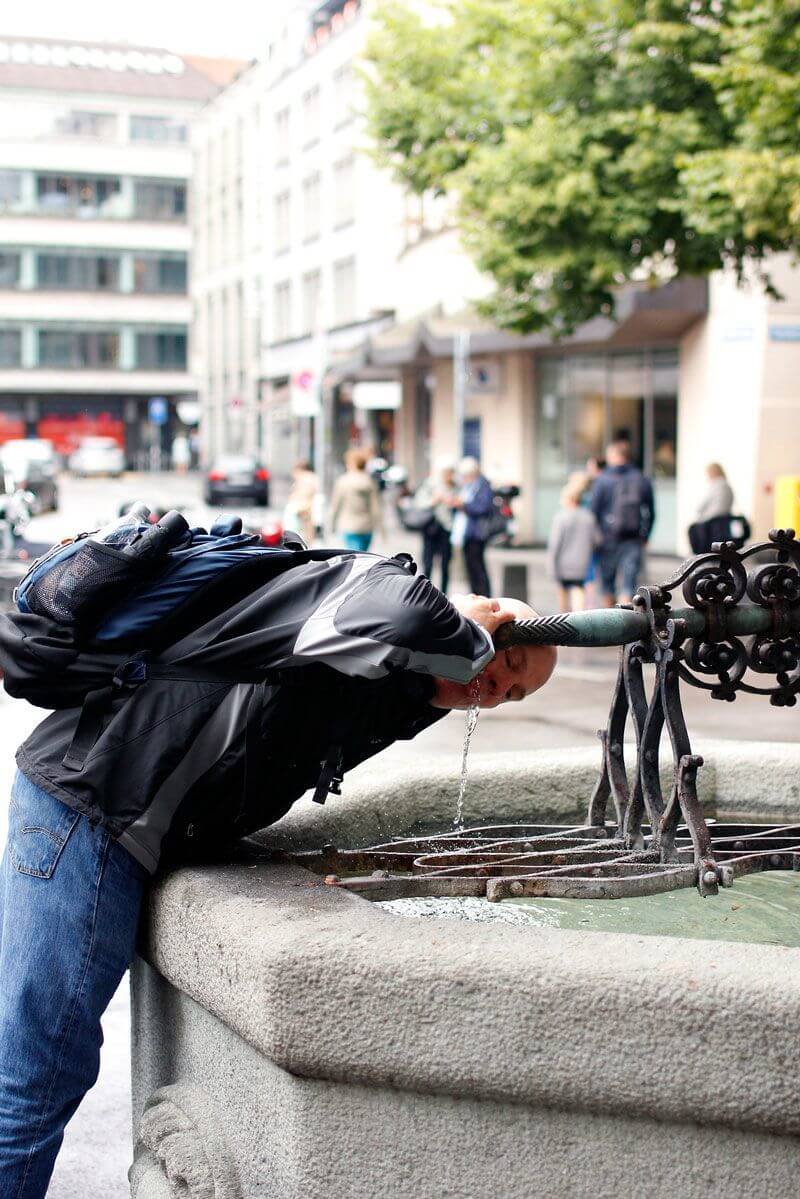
{"x":284,"y":688}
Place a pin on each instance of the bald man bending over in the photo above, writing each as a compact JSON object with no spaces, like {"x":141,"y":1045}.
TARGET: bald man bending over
{"x":269,"y":694}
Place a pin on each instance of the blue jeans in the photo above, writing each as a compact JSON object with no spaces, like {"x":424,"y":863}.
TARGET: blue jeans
{"x":70,"y":899}
{"x":620,"y":565}
{"x":357,"y":541}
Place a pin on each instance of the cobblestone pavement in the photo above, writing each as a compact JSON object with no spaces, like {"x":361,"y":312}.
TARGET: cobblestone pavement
{"x":96,"y":1150}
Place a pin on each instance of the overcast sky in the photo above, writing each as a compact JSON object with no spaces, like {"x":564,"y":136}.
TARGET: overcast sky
{"x":232,"y":29}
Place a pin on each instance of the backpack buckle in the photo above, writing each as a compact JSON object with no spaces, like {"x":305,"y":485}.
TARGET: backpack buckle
{"x":131,"y":673}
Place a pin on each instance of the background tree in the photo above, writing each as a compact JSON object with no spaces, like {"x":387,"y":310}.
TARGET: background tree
{"x":591,"y":142}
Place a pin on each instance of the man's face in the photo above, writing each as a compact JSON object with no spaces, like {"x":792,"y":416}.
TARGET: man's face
{"x":511,"y":675}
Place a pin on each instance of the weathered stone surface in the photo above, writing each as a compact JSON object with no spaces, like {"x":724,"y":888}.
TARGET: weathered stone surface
{"x":180,"y":1151}
{"x":297,"y":1137}
{"x":357,"y":1053}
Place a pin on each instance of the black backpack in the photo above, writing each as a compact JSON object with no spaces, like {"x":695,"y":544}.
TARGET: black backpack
{"x":627,"y":517}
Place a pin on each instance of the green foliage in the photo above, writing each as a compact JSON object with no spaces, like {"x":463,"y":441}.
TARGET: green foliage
{"x":592,"y":142}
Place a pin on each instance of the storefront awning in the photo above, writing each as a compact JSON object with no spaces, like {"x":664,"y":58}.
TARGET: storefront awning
{"x":645,"y":315}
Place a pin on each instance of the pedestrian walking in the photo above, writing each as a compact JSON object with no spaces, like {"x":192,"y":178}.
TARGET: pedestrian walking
{"x":622,"y":503}
{"x":355,"y":503}
{"x":437,"y":495}
{"x":571,"y":545}
{"x":330,"y":657}
{"x":473,"y":506}
{"x":718,"y":498}
{"x":715,"y":520}
{"x":299,"y":513}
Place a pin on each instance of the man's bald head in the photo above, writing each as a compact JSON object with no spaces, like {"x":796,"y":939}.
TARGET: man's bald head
{"x":511,"y":675}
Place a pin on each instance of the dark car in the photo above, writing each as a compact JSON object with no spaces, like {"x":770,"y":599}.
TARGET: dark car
{"x":238,"y":477}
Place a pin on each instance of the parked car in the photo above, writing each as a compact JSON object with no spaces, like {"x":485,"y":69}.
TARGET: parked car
{"x":33,"y":464}
{"x":97,"y":456}
{"x":237,"y":477}
{"x":31,"y":478}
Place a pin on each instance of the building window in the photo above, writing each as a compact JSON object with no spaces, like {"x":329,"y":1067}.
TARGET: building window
{"x":282,"y":143}
{"x":10,"y":347}
{"x":282,"y":316}
{"x":160,"y":273}
{"x":584,"y":400}
{"x":9,"y":268}
{"x":283,"y":224}
{"x":77,"y":272}
{"x":85,"y":195}
{"x":161,"y":351}
{"x":79,"y":123}
{"x":343,"y":95}
{"x":312,"y":294}
{"x":344,"y":291}
{"x":159,"y":201}
{"x":311,"y":117}
{"x":10,"y":189}
{"x":95,"y":349}
{"x":312,"y":207}
{"x":344,"y":185}
{"x":158,"y":129}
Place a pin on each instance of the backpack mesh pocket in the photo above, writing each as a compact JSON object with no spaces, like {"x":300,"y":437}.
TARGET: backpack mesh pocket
{"x":83,"y":584}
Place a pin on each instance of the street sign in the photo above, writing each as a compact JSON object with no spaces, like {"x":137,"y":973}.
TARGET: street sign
{"x":304,"y":393}
{"x":158,"y":411}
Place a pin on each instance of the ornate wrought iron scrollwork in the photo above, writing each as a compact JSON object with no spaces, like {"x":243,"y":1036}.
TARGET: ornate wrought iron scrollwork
{"x":741,"y":625}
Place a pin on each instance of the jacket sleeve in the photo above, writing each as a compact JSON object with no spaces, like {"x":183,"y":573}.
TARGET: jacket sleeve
{"x":649,"y":506}
{"x":390,"y":620}
{"x":482,"y":502}
{"x":358,"y":614}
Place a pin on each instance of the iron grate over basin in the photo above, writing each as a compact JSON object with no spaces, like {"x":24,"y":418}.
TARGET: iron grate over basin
{"x":740,"y":632}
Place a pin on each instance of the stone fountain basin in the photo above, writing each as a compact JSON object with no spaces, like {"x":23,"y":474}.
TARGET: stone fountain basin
{"x":292,"y":1039}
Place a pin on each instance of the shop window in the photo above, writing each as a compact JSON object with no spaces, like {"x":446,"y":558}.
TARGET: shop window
{"x":9,"y":269}
{"x":344,"y":291}
{"x":344,"y":186}
{"x":161,"y":351}
{"x":160,"y":273}
{"x":77,"y":272}
{"x":10,"y":347}
{"x":312,"y":207}
{"x":159,"y":201}
{"x":628,"y":389}
{"x":10,"y":190}
{"x":311,"y":117}
{"x":312,"y":290}
{"x":95,"y":349}
{"x":282,"y":143}
{"x":80,"y":123}
{"x":282,"y":313}
{"x":158,"y":129}
{"x":81,"y":194}
{"x":343,"y":95}
{"x":283,"y":224}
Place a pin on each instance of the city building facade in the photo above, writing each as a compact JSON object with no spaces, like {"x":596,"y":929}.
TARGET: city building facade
{"x":364,"y":305}
{"x":95,"y":242}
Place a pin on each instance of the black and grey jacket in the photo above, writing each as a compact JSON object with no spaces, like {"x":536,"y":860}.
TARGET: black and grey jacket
{"x":284,"y":689}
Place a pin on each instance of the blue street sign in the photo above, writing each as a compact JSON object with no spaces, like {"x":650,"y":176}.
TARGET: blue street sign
{"x":158,"y":411}
{"x":784,"y":332}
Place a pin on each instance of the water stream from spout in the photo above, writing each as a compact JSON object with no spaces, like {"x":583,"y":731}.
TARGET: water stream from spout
{"x":473,"y":711}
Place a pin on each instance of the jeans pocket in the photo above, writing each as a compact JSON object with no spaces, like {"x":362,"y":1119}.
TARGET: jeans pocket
{"x":39,"y":827}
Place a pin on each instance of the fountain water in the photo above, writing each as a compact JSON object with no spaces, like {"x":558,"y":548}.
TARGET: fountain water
{"x":473,"y":712}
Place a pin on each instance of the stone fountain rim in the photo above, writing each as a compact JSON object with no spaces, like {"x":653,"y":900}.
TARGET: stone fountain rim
{"x":327,"y":986}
